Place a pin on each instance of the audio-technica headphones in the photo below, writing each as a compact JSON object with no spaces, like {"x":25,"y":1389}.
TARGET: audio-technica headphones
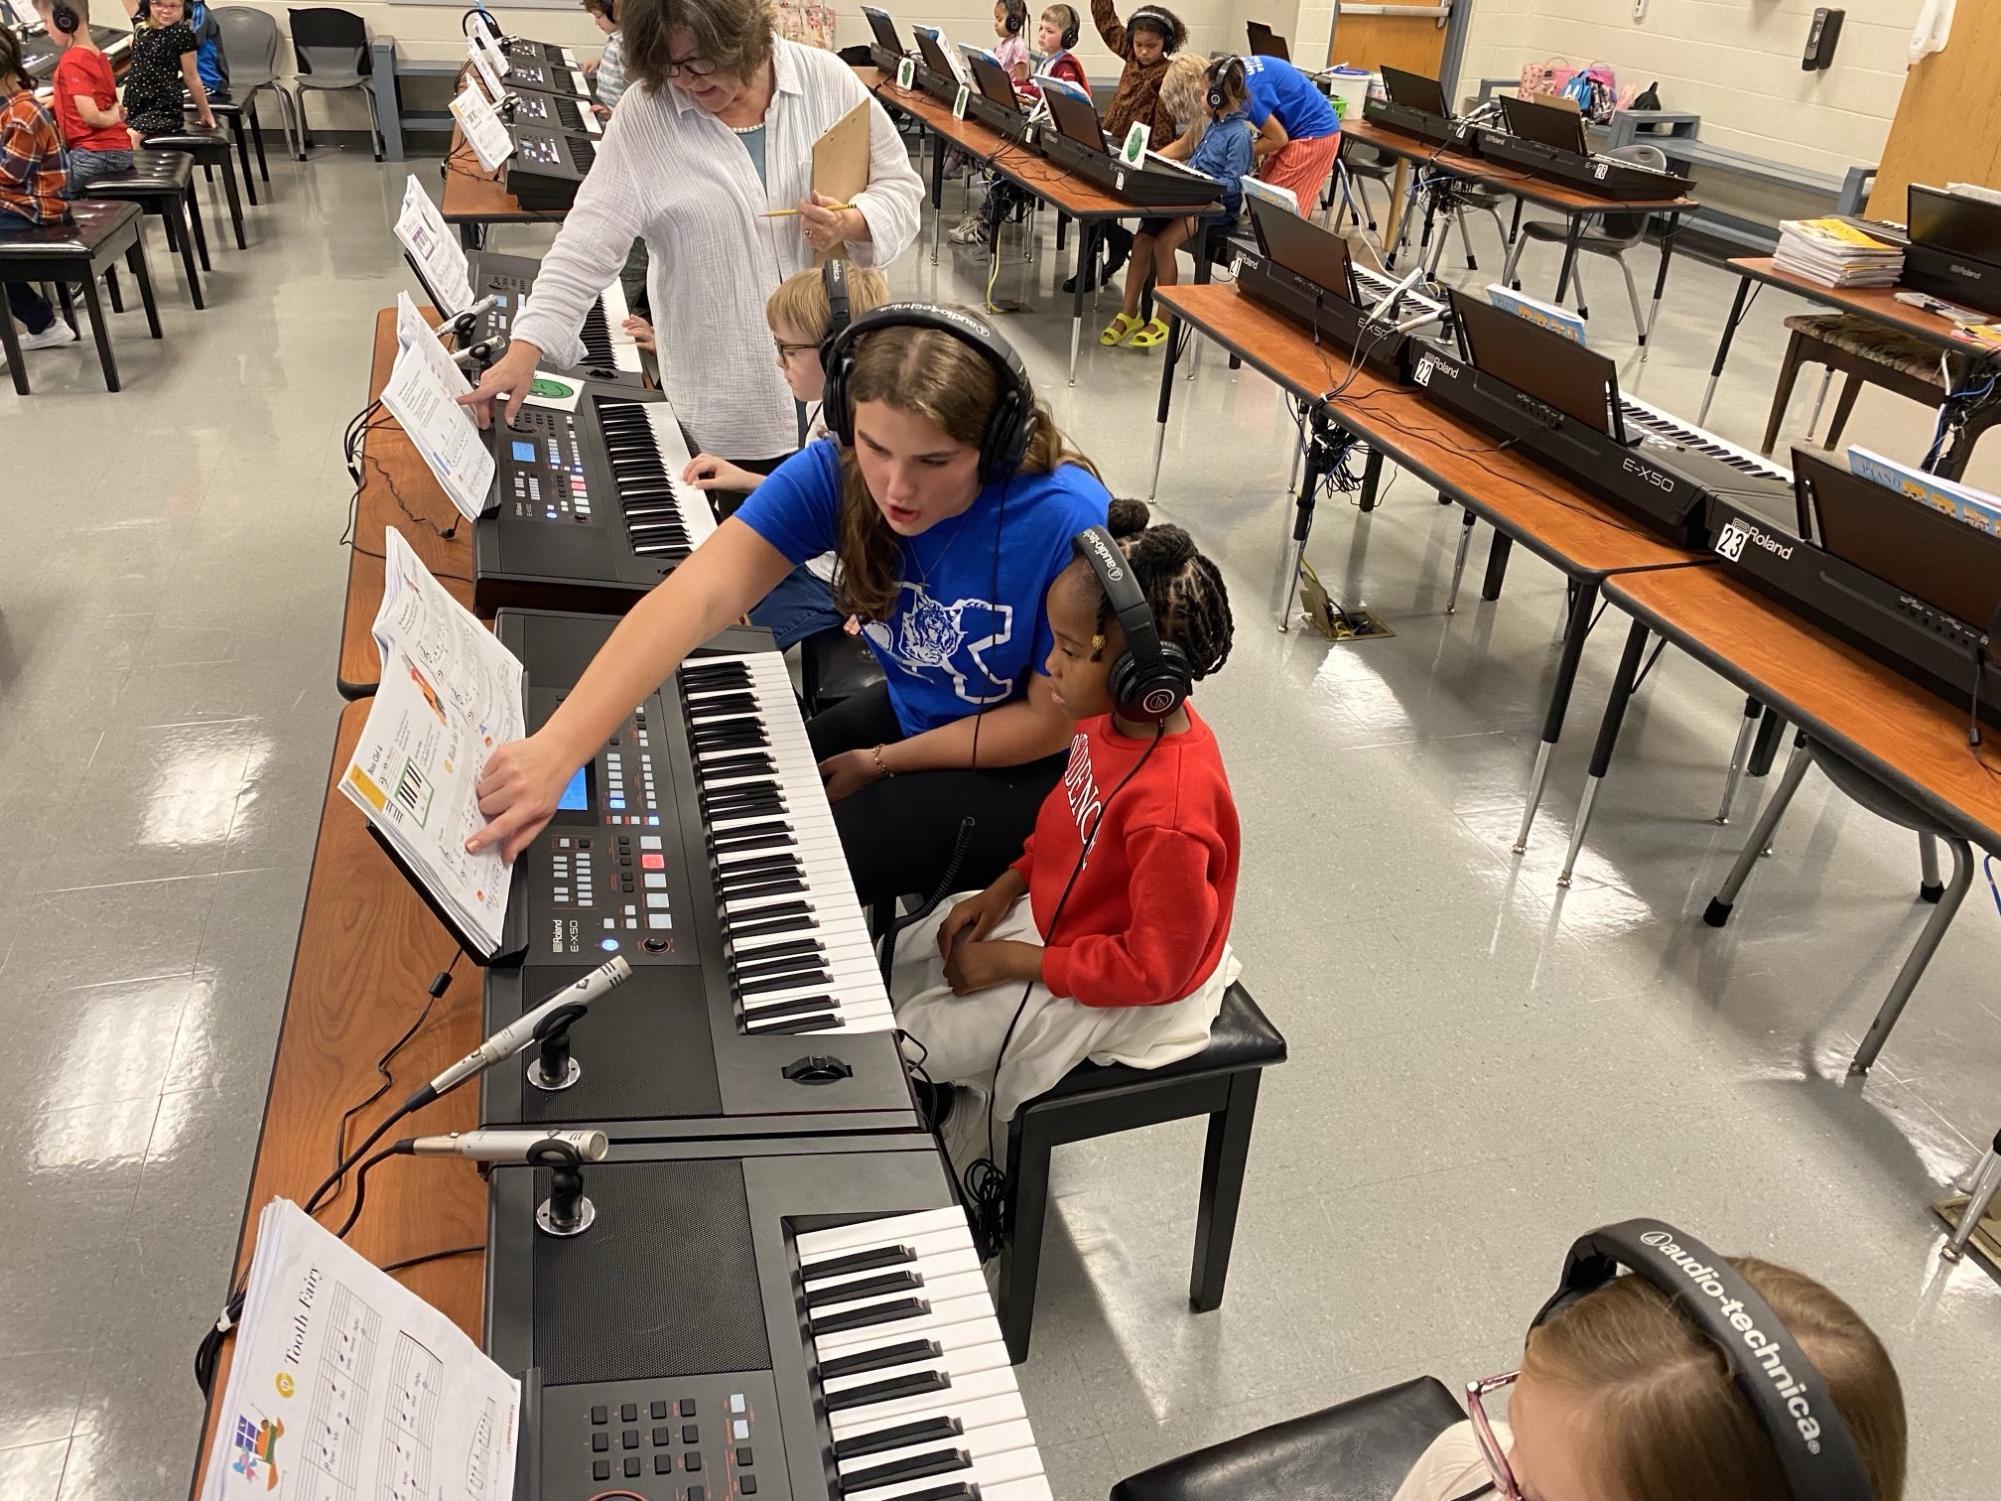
{"x":1014,"y":15}
{"x":1220,"y":73}
{"x":1072,"y":28}
{"x":834,"y":281}
{"x":1010,"y":425}
{"x":1817,"y":1453}
{"x":1153,"y":18}
{"x":1151,"y":678}
{"x":64,"y":19}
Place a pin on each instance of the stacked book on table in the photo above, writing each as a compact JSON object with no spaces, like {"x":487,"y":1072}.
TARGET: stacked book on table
{"x":1838,"y":253}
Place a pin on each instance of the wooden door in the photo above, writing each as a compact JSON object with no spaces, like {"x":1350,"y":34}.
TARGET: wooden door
{"x":1407,"y":36}
{"x":1946,"y":128}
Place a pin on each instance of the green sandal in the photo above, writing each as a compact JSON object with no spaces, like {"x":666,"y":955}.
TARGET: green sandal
{"x":1153,"y":334}
{"x":1117,"y":330}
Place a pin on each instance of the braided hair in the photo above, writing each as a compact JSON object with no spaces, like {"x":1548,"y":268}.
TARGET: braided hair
{"x":1184,"y":589}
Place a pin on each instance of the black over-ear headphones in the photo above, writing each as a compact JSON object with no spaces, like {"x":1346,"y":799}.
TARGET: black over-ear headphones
{"x":834,"y":280}
{"x":1816,"y":1451}
{"x":1219,"y":75}
{"x":1014,"y":16}
{"x":1157,"y":20}
{"x":65,"y":20}
{"x":610,"y":9}
{"x":1072,"y":28}
{"x":1010,"y":425}
{"x":1150,"y":679}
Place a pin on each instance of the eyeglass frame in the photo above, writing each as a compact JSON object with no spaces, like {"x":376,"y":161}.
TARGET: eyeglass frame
{"x":693,"y":65}
{"x":786,"y":351}
{"x":1506,"y":1487}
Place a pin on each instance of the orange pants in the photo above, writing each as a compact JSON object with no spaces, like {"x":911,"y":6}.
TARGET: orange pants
{"x":1303,"y":166}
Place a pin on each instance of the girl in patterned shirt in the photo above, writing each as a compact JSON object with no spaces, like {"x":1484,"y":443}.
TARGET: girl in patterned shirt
{"x":163,"y":59}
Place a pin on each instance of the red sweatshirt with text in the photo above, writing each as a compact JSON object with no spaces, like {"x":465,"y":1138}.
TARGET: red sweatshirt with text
{"x":1147,"y":920}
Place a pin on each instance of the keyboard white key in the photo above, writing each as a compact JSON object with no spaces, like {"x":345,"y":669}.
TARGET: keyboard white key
{"x":800,"y":955}
{"x":1663,"y":424}
{"x":624,"y":348}
{"x":1374,"y":287}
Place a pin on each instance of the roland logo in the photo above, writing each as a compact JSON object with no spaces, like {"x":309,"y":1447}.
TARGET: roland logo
{"x":1964,"y":273}
{"x":1740,"y":532}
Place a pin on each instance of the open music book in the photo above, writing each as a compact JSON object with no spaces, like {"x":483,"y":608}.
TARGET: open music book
{"x":450,"y":694}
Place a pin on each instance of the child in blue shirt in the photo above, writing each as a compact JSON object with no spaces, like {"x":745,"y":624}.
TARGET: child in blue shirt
{"x":1224,"y":152}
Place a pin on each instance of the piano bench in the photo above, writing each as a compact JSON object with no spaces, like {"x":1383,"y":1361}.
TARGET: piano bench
{"x":210,"y":149}
{"x":1359,"y":1450}
{"x":162,"y":184}
{"x":1220,"y":1082}
{"x":76,"y":254}
{"x":1867,"y":351}
{"x":834,"y":666}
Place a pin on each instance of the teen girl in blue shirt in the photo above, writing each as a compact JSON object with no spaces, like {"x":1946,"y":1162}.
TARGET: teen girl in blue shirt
{"x":950,"y":498}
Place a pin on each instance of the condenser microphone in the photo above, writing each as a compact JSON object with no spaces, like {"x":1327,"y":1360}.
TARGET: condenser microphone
{"x":507,"y":1146}
{"x":1390,"y":298}
{"x":516,"y":1035}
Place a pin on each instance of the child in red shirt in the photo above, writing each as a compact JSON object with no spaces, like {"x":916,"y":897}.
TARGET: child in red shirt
{"x":86,"y":99}
{"x":1134,"y":968}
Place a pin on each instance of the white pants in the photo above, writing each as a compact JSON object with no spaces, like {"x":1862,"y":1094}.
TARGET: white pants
{"x":962,"y":1034}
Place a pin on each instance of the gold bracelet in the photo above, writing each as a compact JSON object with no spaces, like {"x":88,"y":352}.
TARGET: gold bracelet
{"x":881,"y":769}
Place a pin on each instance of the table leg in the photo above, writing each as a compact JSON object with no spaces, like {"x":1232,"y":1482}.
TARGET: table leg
{"x":10,"y":345}
{"x":136,"y":259}
{"x":100,"y":326}
{"x":1660,"y":284}
{"x":1372,"y":474}
{"x":1608,"y":737}
{"x":1723,"y":347}
{"x":1753,"y":712}
{"x":1575,"y":630}
{"x":937,"y":192}
{"x":1459,"y":562}
{"x":1166,"y":399}
{"x":1515,"y":223}
{"x":1318,"y":442}
{"x":1087,"y":255}
{"x":1573,"y":232}
{"x":1497,"y":565}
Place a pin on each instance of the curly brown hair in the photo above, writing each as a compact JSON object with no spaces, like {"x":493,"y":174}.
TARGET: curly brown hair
{"x":940,"y":377}
{"x":733,"y":35}
{"x":1183,"y":589}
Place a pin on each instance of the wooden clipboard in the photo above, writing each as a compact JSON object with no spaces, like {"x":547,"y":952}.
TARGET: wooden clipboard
{"x":841,"y":160}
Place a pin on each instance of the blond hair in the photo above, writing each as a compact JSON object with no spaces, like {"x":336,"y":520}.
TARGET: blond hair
{"x":1666,"y":1418}
{"x":1184,"y":88}
{"x":945,"y":380}
{"x":800,"y":303}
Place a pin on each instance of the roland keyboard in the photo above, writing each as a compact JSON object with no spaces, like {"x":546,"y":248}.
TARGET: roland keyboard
{"x":590,"y":510}
{"x":547,"y":76}
{"x":610,"y":353}
{"x":555,"y":112}
{"x":1155,"y":183}
{"x":781,"y":1320}
{"x":1664,"y":427}
{"x":522,"y":53}
{"x":1601,"y":176}
{"x":547,"y":167}
{"x":698,"y":844}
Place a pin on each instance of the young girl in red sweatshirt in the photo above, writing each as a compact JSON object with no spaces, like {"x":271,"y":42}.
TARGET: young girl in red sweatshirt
{"x":1134,"y":969}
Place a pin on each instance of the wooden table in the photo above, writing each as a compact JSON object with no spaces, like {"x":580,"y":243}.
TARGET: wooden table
{"x":1877,"y":304}
{"x":1575,"y":204}
{"x":396,"y":490}
{"x":475,"y":197}
{"x":1584,"y":538}
{"x":368,"y":949}
{"x":1070,"y":195}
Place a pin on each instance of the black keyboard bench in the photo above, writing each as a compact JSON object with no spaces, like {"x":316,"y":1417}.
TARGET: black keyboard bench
{"x":162,"y":183}
{"x":210,"y":149}
{"x":1220,"y":1082}
{"x":75,"y":254}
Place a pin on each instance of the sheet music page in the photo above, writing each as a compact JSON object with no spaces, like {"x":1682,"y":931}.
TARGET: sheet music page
{"x":421,"y":396}
{"x":422,"y":231}
{"x":488,"y":73}
{"x":450,"y":694}
{"x":345,"y":1384}
{"x":496,"y":54}
{"x":482,"y":128}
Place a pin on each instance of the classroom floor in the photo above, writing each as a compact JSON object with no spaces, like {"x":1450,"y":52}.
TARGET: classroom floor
{"x":1481,"y":1066}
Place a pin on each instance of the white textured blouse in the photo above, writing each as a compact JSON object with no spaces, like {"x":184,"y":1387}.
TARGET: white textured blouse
{"x":670,"y":173}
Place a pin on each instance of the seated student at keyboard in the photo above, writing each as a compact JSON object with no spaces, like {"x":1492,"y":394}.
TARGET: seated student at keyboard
{"x":951,"y":498}
{"x":1300,"y":153}
{"x":801,"y":315}
{"x":86,"y":98}
{"x":1122,"y":957}
{"x":162,"y":60}
{"x":1144,"y":45}
{"x":1620,"y":1397}
{"x":1223,"y":149}
{"x":32,"y":187}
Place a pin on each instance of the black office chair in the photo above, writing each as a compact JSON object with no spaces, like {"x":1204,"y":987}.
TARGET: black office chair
{"x":1357,"y":1451}
{"x":331,"y":49}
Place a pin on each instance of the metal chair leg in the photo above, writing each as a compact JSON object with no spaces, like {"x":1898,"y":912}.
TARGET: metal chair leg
{"x":1718,"y":912}
{"x":1633,"y":297}
{"x":1980,"y":1193}
{"x":1920,"y":956}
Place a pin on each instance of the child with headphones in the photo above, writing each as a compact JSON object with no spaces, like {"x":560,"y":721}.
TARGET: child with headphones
{"x":949,"y":499}
{"x":607,"y":70}
{"x":1108,"y":938}
{"x":981,"y":226}
{"x":1010,"y":46}
{"x":1693,"y":1375}
{"x":805,"y":313}
{"x":88,"y":114}
{"x":1144,"y":43}
{"x":1225,"y":150}
{"x":1056,"y":33}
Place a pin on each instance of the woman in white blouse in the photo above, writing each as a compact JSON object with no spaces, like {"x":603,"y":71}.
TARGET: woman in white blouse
{"x":715,"y":131}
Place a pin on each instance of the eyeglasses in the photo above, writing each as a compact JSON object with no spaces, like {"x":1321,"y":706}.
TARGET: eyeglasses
{"x":1477,"y":1393}
{"x":694,"y":67}
{"x":786,"y":351}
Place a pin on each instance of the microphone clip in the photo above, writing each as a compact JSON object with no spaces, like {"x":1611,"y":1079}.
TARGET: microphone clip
{"x":566,"y":1212}
{"x":553,"y":1069}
